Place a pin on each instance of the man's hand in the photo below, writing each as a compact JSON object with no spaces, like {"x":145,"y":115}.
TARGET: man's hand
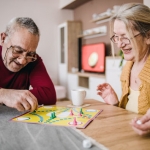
{"x":22,"y":100}
{"x":107,"y":93}
{"x":142,"y":125}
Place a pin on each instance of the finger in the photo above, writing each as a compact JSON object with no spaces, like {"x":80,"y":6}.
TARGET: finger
{"x":99,"y":93}
{"x":97,"y":88}
{"x":26,"y":104}
{"x":33,"y":102}
{"x":19,"y":107}
{"x":102,"y":94}
{"x":101,"y":84}
{"x":144,"y":119}
{"x":100,"y":87}
{"x":144,"y":126}
{"x":104,"y":88}
{"x":107,"y":86}
{"x":140,"y":132}
{"x":34,"y":99}
{"x":133,"y":121}
{"x":29,"y":101}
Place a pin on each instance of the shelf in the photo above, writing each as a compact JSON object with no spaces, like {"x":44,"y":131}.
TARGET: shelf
{"x":73,"y":4}
{"x":103,"y":19}
{"x":83,"y":82}
{"x":89,"y":74}
{"x":86,"y":74}
{"x":93,"y":35}
{"x":94,"y":32}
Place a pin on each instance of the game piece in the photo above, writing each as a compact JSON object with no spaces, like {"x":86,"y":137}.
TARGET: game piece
{"x":51,"y":115}
{"x":54,"y":116}
{"x":87,"y":143}
{"x":81,"y":112}
{"x":74,"y":121}
{"x":71,"y":113}
{"x":139,"y":122}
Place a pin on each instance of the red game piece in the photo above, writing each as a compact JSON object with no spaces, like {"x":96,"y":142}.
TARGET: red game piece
{"x":71,"y":113}
{"x":74,"y":121}
{"x":80,"y":114}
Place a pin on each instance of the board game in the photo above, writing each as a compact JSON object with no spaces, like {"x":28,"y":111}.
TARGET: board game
{"x":61,"y":116}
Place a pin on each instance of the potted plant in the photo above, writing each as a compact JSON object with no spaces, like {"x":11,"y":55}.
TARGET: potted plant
{"x":122,"y":58}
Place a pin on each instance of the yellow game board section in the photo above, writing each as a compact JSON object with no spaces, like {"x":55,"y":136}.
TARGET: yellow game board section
{"x":61,"y":116}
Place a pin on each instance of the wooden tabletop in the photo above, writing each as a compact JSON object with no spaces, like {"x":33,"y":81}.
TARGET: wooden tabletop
{"x":112,"y":129}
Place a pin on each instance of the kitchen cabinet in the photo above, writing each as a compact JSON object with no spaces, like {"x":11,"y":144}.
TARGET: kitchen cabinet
{"x":68,"y":49}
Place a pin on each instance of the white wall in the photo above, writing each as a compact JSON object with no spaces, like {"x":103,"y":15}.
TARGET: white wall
{"x":146,"y":2}
{"x":48,"y":16}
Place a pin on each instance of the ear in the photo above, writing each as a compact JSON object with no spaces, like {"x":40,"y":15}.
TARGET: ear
{"x":3,"y":37}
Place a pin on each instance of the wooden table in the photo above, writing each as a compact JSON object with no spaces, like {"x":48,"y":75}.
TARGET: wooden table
{"x":112,"y":129}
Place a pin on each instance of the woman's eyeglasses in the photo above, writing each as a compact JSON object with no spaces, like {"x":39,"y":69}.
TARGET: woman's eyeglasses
{"x":115,"y":39}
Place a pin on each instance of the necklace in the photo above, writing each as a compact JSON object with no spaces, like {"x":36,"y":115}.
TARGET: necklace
{"x":134,"y":76}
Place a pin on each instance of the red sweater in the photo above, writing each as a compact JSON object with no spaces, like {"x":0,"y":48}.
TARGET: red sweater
{"x":33,"y":74}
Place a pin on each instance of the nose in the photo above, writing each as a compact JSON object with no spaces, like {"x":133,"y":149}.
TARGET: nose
{"x":22,"y":60}
{"x":120,"y":44}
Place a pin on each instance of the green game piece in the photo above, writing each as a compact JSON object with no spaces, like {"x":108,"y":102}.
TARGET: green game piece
{"x":81,"y":112}
{"x":54,"y":116}
{"x":51,"y":116}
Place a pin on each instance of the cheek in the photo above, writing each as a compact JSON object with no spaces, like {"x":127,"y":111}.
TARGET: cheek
{"x":10,"y":58}
{"x":133,"y":51}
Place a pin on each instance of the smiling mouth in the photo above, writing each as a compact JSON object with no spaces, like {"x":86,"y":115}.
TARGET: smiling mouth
{"x":125,"y":51}
{"x":16,"y":63}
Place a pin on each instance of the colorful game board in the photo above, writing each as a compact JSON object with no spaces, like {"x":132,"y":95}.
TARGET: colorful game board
{"x":61,"y":116}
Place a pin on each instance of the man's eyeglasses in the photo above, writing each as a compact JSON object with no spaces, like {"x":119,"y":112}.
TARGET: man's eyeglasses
{"x":115,"y":39}
{"x":17,"y":52}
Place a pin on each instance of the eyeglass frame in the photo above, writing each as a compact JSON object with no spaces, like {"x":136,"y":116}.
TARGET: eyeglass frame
{"x":124,"y":38}
{"x":21,"y":54}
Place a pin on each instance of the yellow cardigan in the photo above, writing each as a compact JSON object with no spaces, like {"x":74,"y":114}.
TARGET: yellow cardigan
{"x":144,"y":97}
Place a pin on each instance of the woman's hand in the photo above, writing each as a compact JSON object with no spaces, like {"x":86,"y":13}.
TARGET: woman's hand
{"x":107,"y":93}
{"x":142,"y":126}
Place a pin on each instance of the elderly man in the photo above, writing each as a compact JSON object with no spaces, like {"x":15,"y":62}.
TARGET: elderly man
{"x":21,"y":67}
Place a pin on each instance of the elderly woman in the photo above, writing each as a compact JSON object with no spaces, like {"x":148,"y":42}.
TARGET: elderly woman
{"x":131,"y":33}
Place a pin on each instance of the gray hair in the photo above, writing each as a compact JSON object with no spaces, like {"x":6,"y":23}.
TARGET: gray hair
{"x":22,"y":22}
{"x":136,"y":16}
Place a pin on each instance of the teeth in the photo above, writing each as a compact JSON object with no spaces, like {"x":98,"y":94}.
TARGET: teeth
{"x":127,"y":50}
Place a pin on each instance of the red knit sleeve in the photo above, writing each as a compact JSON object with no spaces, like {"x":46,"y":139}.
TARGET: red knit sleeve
{"x":43,"y":88}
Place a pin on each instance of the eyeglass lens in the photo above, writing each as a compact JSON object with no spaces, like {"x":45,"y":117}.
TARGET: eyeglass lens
{"x":30,"y":56}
